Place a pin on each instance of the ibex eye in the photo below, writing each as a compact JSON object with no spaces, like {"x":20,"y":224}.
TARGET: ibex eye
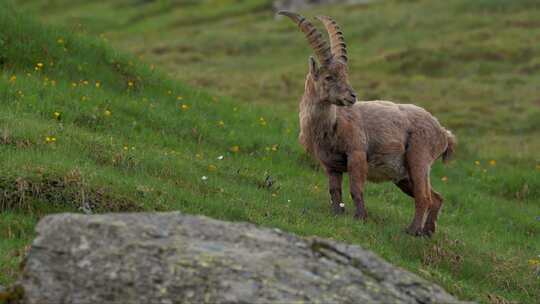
{"x":329,"y":78}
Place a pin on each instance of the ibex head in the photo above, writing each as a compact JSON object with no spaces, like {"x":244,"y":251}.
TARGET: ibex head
{"x":331,"y":79}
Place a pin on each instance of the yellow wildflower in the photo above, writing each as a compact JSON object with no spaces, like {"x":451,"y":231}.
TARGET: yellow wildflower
{"x":212,"y":168}
{"x":477,"y":162}
{"x":262,"y":121}
{"x":169,"y":92}
{"x":235,"y":149}
{"x":130,"y":83}
{"x":39,"y":65}
{"x":198,"y":156}
{"x":534,"y":262}
{"x":73,"y":84}
{"x":56,"y":115}
{"x":444,"y":178}
{"x":98,"y":84}
{"x":221,"y":123}
{"x":275,"y":147}
{"x":126,"y":148}
{"x":12,"y":78}
{"x":493,"y":162}
{"x":184,"y":107}
{"x":179,"y":97}
{"x":107,"y":113}
{"x":60,"y":41}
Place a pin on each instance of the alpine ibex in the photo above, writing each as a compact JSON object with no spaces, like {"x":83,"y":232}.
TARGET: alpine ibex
{"x":371,"y":140}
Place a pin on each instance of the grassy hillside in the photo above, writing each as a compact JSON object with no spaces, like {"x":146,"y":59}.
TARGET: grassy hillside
{"x":86,"y":128}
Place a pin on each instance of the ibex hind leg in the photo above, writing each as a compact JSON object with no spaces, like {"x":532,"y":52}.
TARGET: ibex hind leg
{"x":419,"y":162}
{"x":406,"y":186}
{"x":433,"y":213}
{"x":430,"y":225}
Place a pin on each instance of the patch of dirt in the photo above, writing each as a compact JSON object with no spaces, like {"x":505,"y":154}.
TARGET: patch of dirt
{"x":496,"y":299}
{"x":528,"y":24}
{"x":436,"y":61}
{"x":8,"y":140}
{"x":69,"y":190}
{"x":165,"y":49}
{"x":445,"y":251}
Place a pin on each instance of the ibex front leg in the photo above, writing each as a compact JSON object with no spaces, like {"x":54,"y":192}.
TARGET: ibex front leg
{"x":334,"y":185}
{"x":357,"y":166}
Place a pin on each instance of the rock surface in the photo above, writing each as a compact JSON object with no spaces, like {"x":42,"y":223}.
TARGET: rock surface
{"x":174,"y":258}
{"x":296,"y":5}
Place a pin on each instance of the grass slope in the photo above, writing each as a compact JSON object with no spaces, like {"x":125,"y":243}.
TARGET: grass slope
{"x":83,"y":127}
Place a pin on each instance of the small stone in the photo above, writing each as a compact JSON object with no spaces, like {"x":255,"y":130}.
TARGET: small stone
{"x":204,"y":178}
{"x":342,"y":205}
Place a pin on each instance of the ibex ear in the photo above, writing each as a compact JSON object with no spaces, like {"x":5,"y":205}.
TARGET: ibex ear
{"x":313,"y":68}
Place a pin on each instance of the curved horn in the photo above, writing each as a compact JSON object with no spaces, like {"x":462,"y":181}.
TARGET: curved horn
{"x":314,"y":37}
{"x":337,"y":41}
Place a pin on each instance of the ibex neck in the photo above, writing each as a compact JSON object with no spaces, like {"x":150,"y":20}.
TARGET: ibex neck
{"x":316,"y":116}
{"x":322,"y":115}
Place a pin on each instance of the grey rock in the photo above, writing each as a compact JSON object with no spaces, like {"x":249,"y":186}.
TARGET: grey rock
{"x":174,"y":258}
{"x":296,"y":5}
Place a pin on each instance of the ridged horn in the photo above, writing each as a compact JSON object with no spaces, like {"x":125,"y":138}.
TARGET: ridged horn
{"x":337,"y":41}
{"x":314,"y":37}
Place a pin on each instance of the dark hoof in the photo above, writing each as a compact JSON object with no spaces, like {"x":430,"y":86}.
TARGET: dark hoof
{"x":429,"y":229}
{"x":337,"y":209}
{"x":415,"y":231}
{"x":360,"y":216}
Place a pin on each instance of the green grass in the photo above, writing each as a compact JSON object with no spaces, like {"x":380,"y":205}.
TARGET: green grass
{"x":122,"y":147}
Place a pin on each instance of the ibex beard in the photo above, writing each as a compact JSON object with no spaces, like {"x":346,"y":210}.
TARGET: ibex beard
{"x":370,"y":140}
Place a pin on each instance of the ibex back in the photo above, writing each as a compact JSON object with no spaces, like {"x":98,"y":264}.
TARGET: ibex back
{"x":371,"y":140}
